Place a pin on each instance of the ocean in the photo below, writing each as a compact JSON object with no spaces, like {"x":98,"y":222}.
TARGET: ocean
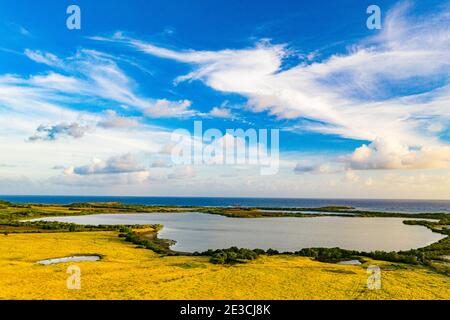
{"x":410,"y":206}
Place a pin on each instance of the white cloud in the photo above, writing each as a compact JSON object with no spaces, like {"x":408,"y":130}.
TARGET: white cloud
{"x":97,"y":75}
{"x":114,"y":165}
{"x":382,"y":154}
{"x":219,"y":112}
{"x":164,"y":108}
{"x":53,"y":132}
{"x":347,"y":94}
{"x":124,"y":169}
{"x":44,"y":57}
{"x":26,"y":103}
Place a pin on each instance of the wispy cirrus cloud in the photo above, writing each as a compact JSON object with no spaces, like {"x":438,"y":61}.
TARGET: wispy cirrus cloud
{"x":378,"y":91}
{"x":93,"y":74}
{"x":40,"y":107}
{"x":45,"y":58}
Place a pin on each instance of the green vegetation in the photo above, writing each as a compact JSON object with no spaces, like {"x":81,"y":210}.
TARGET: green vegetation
{"x":322,"y":211}
{"x":53,"y":226}
{"x":144,"y":243}
{"x":12,"y":216}
{"x":337,"y":254}
{"x":235,"y":255}
{"x":433,"y":255}
{"x":191,"y":265}
{"x":147,"y":238}
{"x":11,"y":212}
{"x":232,"y":255}
{"x":250,"y":213}
{"x":117,"y":207}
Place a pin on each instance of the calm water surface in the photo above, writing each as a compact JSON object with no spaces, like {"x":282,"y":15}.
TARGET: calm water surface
{"x":199,"y":232}
{"x":69,"y":259}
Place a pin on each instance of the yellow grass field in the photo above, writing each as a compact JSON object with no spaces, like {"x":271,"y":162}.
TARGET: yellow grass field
{"x":130,"y":273}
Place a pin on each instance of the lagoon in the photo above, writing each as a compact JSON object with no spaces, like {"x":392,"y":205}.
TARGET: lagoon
{"x":68,"y":259}
{"x":199,"y":232}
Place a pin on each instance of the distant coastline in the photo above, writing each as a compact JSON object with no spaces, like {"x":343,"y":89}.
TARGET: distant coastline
{"x":407,"y":206}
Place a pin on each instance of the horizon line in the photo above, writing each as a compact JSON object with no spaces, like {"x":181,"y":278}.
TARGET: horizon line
{"x":224,"y":197}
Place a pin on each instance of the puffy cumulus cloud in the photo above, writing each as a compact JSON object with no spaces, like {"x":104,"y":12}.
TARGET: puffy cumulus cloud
{"x":382,"y":154}
{"x":220,"y":112}
{"x":54,"y":132}
{"x":164,"y":108}
{"x":122,"y":169}
{"x":223,"y":111}
{"x":114,"y":165}
{"x":380,"y":90}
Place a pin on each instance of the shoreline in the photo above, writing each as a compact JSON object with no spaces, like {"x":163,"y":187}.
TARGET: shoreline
{"x":439,"y":224}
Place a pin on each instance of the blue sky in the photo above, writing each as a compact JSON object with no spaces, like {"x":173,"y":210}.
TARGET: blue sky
{"x":357,"y":108}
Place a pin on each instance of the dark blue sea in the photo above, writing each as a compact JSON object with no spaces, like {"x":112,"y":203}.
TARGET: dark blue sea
{"x":411,"y":206}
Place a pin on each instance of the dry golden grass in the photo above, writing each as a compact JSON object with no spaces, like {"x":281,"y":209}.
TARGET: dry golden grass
{"x":130,"y":273}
